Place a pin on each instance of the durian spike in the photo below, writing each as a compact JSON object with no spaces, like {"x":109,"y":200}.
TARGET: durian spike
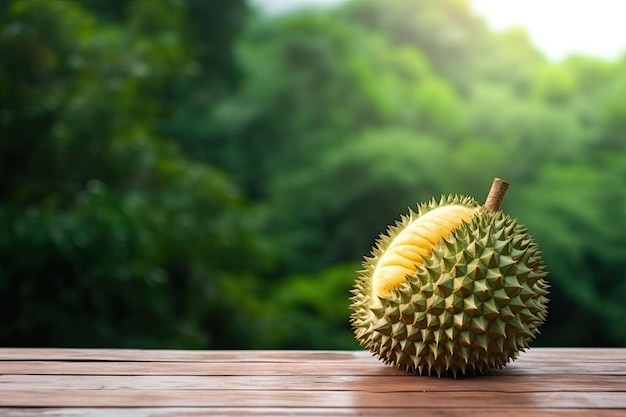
{"x":496,"y":194}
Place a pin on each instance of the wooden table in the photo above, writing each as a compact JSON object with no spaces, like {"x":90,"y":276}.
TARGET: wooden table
{"x":102,"y":382}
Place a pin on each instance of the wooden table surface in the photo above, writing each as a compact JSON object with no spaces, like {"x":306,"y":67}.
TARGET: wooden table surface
{"x":167,"y":383}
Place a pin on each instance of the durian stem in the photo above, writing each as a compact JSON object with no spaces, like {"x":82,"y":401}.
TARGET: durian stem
{"x":496,"y":194}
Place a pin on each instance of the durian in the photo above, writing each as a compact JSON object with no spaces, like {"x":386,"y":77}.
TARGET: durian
{"x":452,"y":289}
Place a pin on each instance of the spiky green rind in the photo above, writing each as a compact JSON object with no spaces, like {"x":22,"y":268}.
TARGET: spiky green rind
{"x":477,"y":301}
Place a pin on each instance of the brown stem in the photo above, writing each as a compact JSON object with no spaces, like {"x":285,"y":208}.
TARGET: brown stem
{"x":496,"y":194}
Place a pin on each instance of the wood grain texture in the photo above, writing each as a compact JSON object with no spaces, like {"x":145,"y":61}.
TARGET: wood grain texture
{"x":322,"y":368}
{"x":504,"y":383}
{"x":332,"y":399}
{"x":137,"y":383}
{"x":301,"y":411}
{"x":159,"y":355}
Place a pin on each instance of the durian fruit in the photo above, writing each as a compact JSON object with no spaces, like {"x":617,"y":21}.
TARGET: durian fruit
{"x":453,"y":289}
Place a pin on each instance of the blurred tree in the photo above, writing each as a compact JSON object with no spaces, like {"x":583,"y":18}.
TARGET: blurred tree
{"x":511,"y":61}
{"x":577,"y":215}
{"x":220,"y":174}
{"x":106,"y":226}
{"x":525,"y":134}
{"x":328,"y":193}
{"x":332,"y":79}
{"x":111,"y":10}
{"x":336,"y":206}
{"x":451,"y":36}
{"x":555,"y":85}
{"x":308,"y":312}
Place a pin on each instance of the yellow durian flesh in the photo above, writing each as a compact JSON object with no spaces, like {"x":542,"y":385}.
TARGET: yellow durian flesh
{"x":414,"y":243}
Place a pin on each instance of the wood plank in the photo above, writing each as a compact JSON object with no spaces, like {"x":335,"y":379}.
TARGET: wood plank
{"x":156,"y":355}
{"x":277,"y":368}
{"x":544,"y":383}
{"x":191,"y":368}
{"x":339,"y":399}
{"x":101,"y":383}
{"x":299,"y":411}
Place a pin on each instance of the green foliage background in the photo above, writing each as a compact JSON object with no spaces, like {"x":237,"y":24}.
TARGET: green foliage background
{"x":194,"y":174}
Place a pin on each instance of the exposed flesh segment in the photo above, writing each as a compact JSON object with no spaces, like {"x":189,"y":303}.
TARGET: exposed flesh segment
{"x":409,"y":248}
